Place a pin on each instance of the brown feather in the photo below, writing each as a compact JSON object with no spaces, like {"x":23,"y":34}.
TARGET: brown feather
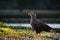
{"x":38,"y":25}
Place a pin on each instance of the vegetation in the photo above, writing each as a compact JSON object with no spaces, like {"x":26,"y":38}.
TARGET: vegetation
{"x":6,"y":32}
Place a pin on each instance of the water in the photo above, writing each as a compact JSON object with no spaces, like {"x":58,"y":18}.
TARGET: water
{"x":28,"y":25}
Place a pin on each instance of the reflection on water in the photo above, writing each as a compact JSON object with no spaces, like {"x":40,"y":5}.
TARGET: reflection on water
{"x":28,"y":25}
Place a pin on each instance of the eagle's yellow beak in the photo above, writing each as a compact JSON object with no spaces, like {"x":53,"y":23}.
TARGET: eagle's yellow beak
{"x":29,"y":13}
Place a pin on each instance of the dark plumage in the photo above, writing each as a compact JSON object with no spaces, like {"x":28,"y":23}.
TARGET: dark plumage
{"x":38,"y":25}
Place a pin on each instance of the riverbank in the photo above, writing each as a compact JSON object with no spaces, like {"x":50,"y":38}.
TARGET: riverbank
{"x":26,"y":34}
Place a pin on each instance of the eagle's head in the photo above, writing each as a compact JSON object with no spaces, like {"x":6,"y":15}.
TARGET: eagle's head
{"x":32,"y":14}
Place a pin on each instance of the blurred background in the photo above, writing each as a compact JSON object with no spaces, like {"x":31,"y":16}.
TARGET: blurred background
{"x":14,"y":12}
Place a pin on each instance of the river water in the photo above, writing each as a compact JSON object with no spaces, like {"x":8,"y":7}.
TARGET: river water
{"x":28,"y":25}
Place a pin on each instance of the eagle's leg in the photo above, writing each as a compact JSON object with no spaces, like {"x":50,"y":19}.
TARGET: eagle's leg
{"x":38,"y":31}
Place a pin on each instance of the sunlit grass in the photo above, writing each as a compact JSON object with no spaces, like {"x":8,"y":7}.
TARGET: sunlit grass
{"x":19,"y":33}
{"x":7,"y":31}
{"x":23,"y":32}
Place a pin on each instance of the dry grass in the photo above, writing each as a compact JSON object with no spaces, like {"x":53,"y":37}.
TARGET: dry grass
{"x":11,"y":34}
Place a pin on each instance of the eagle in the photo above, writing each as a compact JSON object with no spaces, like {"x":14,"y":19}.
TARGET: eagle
{"x":38,"y":25}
